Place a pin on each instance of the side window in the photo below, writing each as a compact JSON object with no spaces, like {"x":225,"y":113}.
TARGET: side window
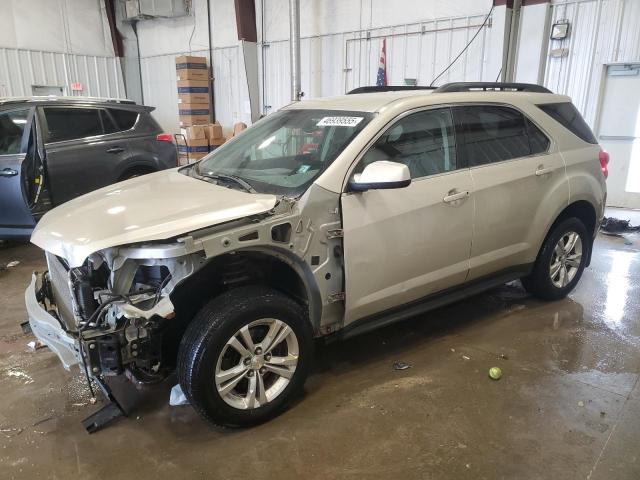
{"x":493,"y":134}
{"x":12,"y":125}
{"x":569,"y":117}
{"x":125,"y":119}
{"x":538,"y":141}
{"x":424,"y":141}
{"x":66,"y":123}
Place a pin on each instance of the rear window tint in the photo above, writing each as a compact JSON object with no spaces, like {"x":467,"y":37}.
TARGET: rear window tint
{"x":569,"y":116}
{"x":125,"y":119}
{"x":71,"y":123}
{"x":493,"y":133}
{"x":538,"y":141}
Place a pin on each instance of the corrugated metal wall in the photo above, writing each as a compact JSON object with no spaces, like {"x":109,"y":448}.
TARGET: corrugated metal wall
{"x":336,"y":63}
{"x":21,"y":69}
{"x":602,"y":32}
{"x":230,"y":88}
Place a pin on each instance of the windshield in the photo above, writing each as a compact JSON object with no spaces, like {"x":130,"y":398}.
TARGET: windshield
{"x":283,"y":153}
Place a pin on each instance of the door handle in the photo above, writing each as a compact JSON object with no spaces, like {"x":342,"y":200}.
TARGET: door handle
{"x":8,"y":172}
{"x":543,"y":171}
{"x":452,"y":196}
{"x":115,"y":150}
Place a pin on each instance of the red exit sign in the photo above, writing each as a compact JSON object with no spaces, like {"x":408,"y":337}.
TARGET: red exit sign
{"x":76,"y":86}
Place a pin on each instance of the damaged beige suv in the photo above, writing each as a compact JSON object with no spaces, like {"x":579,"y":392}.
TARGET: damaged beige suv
{"x":330,"y":217}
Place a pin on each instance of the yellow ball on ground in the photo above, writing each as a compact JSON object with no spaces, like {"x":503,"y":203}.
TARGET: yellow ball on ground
{"x":495,"y":373}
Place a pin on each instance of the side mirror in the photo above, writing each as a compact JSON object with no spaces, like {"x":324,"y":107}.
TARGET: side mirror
{"x":382,"y":174}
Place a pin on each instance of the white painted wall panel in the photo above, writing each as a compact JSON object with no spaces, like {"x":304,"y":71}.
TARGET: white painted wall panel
{"x":602,"y":31}
{"x":333,"y":64}
{"x":21,"y":69}
{"x":231,"y":92}
{"x":68,"y":26}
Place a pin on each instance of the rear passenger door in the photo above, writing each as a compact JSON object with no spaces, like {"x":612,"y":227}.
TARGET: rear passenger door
{"x":519,"y":181}
{"x":82,"y":151}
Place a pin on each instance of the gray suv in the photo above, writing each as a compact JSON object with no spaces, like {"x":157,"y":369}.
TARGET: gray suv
{"x":53,"y":149}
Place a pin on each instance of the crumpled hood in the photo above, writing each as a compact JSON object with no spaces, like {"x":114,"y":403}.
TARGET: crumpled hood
{"x":152,"y":207}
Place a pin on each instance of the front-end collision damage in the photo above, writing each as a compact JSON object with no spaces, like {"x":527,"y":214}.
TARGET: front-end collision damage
{"x":127,"y":307}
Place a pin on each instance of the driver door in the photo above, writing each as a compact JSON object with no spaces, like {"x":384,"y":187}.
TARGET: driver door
{"x":407,"y":243}
{"x":15,"y":216}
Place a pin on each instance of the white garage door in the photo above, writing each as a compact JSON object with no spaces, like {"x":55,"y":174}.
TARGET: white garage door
{"x":619,"y":134}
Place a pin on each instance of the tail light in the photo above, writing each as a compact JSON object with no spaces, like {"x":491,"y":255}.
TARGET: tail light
{"x":164,"y":137}
{"x":604,"y":163}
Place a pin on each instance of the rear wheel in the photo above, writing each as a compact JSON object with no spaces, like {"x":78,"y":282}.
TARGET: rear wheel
{"x":245,"y":356}
{"x":136,"y":173}
{"x":560,"y":262}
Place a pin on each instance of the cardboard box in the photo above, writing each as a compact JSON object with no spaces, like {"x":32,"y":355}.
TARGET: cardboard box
{"x":213,"y":131}
{"x":193,"y":86}
{"x":192,"y":74}
{"x":186,"y":146}
{"x":191,"y":62}
{"x":189,"y":120}
{"x":193,"y":109}
{"x":193,"y":98}
{"x":238,"y":128}
{"x":196,"y":132}
{"x":191,"y":68}
{"x":216,"y":142}
{"x":191,"y":158}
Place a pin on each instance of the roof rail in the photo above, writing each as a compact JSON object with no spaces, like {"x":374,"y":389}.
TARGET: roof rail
{"x":66,"y":99}
{"x":387,"y":88}
{"x":469,"y":86}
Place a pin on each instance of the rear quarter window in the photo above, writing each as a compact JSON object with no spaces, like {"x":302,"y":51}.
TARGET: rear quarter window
{"x":125,"y":119}
{"x":569,"y":117}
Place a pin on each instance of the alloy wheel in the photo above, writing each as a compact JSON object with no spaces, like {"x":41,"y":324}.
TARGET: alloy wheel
{"x":565,"y":259}
{"x":257,"y":363}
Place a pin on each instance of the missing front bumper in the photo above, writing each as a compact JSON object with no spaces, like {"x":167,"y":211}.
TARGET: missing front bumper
{"x":47,"y":328}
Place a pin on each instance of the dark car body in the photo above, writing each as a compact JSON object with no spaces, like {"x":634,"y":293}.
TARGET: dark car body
{"x":53,"y":149}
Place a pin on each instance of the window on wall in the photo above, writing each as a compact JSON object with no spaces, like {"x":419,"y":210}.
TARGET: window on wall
{"x":493,"y":133}
{"x":424,"y":141}
{"x":72,"y":123}
{"x":12,"y":125}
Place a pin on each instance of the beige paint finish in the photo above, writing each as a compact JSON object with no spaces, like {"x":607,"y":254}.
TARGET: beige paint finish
{"x":403,"y":244}
{"x":514,"y":207}
{"x":158,"y":206}
{"x":391,"y":105}
{"x":586,"y":181}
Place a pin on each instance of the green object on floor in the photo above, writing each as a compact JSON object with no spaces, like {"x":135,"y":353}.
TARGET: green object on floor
{"x":495,"y":373}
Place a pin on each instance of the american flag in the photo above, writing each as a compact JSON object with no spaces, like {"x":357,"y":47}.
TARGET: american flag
{"x":381,"y":80}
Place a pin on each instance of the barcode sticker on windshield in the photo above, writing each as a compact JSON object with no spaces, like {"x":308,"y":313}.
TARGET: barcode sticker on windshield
{"x":339,"y":121}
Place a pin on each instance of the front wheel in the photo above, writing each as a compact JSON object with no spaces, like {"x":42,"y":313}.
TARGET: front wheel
{"x":560,"y":262}
{"x":245,"y":356}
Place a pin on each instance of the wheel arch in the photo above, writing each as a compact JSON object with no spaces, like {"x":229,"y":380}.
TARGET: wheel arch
{"x":584,"y":211}
{"x":264,"y":265}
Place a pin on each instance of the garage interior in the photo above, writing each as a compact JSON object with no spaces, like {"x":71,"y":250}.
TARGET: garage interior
{"x":568,"y":402}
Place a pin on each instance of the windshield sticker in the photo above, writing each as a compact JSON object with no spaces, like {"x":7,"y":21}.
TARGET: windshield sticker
{"x":304,"y":168}
{"x":339,"y":121}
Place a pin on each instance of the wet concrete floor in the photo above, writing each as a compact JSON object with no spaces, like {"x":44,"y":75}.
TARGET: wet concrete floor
{"x":567,"y":406}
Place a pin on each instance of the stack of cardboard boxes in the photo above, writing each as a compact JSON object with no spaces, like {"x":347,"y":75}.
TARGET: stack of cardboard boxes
{"x":192,"y":75}
{"x":198,"y":135}
{"x":198,"y":140}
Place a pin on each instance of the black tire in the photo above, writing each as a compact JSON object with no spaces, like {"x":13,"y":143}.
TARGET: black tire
{"x":135,"y":173}
{"x":207,"y":335}
{"x":539,"y":282}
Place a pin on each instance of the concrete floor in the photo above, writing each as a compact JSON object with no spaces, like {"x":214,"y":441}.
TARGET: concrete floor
{"x":568,"y":405}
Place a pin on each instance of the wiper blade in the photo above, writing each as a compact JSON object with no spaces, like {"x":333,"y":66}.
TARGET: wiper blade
{"x":237,"y":180}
